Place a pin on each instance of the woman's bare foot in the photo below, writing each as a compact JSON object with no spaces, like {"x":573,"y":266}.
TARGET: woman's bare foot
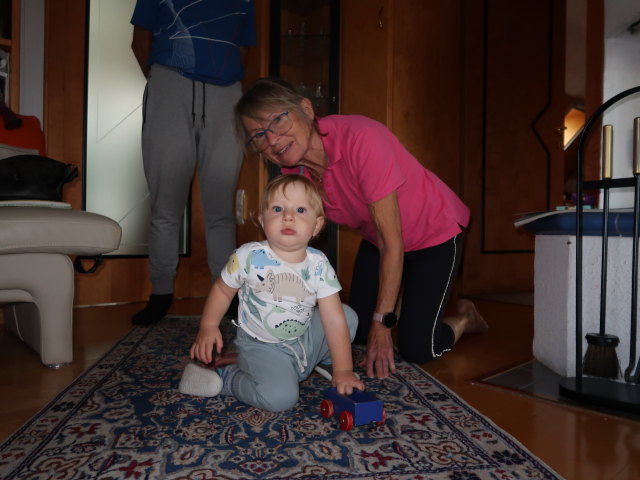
{"x":475,"y":322}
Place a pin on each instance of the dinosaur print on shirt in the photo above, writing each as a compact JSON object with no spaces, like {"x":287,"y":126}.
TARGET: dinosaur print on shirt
{"x":277,"y":298}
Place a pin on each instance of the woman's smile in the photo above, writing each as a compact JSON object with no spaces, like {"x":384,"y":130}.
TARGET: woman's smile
{"x":279,"y":151}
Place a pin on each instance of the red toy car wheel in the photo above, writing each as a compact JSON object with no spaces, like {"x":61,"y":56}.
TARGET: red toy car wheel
{"x":346,"y":421}
{"x":384,"y":417}
{"x":326,"y":408}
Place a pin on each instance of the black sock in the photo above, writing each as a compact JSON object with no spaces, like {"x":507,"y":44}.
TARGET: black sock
{"x":156,"y":308}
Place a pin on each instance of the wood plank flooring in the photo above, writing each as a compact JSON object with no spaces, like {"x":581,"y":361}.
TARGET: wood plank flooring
{"x":579,"y":444}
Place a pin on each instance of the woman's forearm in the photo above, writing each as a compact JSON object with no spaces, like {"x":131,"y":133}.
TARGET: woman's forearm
{"x":391,"y":263}
{"x":385,"y":213}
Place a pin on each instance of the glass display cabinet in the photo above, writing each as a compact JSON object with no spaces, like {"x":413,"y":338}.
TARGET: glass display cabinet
{"x":304,"y":51}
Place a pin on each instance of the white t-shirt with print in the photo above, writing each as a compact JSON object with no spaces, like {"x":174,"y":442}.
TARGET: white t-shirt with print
{"x":276,"y":298}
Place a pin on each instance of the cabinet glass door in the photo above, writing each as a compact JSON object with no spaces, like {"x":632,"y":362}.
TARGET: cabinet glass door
{"x":305,"y":47}
{"x":304,"y":51}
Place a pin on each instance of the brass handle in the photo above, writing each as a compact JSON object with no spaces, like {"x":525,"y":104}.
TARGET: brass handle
{"x":380,"y":25}
{"x":636,"y":146}
{"x":607,"y":150}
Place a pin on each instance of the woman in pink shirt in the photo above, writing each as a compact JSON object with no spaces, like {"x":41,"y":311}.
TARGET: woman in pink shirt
{"x":412,"y":224}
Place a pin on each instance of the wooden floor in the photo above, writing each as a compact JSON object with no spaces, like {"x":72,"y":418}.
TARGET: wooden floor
{"x":579,"y":444}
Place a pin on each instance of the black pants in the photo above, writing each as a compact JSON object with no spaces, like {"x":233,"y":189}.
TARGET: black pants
{"x":427,"y":277}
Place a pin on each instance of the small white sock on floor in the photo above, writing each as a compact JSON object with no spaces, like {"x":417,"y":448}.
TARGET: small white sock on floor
{"x":200,"y":381}
{"x":326,"y":370}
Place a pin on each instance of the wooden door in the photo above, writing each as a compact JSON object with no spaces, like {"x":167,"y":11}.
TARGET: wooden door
{"x":364,"y":88}
{"x":513,"y":112}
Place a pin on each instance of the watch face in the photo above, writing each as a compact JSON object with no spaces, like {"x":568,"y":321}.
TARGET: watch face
{"x":389,"y":320}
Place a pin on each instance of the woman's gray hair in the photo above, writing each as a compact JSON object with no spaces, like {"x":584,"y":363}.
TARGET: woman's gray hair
{"x":268,"y":94}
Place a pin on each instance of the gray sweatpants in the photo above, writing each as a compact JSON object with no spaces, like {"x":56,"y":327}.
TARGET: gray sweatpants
{"x":268,"y":374}
{"x":187,"y":125}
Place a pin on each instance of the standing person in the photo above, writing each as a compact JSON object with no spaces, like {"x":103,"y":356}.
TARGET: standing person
{"x":412,"y":224}
{"x":192,"y":55}
{"x":281,"y":337}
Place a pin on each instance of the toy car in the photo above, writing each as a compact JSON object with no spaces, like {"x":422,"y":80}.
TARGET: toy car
{"x":359,"y":408}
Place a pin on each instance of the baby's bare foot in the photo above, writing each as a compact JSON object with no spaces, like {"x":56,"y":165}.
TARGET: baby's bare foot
{"x":476,"y":323}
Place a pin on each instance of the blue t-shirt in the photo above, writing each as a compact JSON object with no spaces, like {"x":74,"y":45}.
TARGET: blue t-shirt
{"x":199,"y":38}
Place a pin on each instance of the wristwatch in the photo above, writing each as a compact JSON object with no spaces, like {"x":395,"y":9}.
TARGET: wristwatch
{"x":388,"y":319}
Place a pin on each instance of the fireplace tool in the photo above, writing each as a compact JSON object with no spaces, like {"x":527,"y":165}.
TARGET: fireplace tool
{"x":601,"y":359}
{"x":597,"y":390}
{"x":629,"y":375}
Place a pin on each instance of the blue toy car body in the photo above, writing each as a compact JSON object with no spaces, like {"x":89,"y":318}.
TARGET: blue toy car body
{"x":359,"y":408}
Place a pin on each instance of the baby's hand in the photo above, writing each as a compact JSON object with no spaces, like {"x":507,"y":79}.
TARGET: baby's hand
{"x":208,"y":339}
{"x":345,"y":381}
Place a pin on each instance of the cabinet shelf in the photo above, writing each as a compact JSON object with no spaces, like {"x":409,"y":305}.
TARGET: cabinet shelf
{"x":305,"y":50}
{"x":302,"y":7}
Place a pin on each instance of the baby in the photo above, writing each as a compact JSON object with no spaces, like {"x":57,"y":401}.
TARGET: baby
{"x":290,"y":317}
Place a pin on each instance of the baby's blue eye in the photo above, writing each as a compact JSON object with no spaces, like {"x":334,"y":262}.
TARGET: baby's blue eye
{"x":301,"y":209}
{"x":277,"y":209}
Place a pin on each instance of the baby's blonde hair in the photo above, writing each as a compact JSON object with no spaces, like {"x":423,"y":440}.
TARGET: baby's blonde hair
{"x":281,"y":183}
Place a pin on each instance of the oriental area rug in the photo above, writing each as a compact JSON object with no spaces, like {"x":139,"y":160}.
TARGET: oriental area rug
{"x":125,"y":419}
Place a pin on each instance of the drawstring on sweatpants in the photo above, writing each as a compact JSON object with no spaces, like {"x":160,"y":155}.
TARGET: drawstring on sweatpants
{"x":193,"y":102}
{"x":302,"y":364}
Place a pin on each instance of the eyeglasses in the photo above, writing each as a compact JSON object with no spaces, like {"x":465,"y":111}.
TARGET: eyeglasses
{"x":278,"y":126}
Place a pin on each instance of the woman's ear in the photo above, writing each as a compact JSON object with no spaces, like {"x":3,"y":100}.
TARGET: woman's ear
{"x":307,"y":108}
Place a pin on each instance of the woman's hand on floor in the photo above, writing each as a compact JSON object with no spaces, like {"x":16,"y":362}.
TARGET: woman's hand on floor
{"x":379,"y":360}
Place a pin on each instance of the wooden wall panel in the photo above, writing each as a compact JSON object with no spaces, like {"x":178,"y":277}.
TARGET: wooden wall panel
{"x":518,"y":91}
{"x":514,"y":86}
{"x":13,"y":101}
{"x":365,"y":60}
{"x":365,"y":68}
{"x":594,"y":84}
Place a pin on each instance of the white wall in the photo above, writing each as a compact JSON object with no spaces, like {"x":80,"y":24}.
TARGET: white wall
{"x":621,"y":72}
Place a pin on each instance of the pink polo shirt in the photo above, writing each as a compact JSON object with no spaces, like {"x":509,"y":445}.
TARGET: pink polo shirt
{"x":367,"y":163}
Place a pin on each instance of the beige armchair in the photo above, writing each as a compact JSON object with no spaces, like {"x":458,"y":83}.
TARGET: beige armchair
{"x":36,"y":273}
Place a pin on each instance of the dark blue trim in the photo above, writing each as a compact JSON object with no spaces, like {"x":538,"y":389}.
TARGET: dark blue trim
{"x":564,"y":223}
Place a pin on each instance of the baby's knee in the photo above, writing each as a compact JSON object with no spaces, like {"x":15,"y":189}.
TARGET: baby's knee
{"x":279,"y":399}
